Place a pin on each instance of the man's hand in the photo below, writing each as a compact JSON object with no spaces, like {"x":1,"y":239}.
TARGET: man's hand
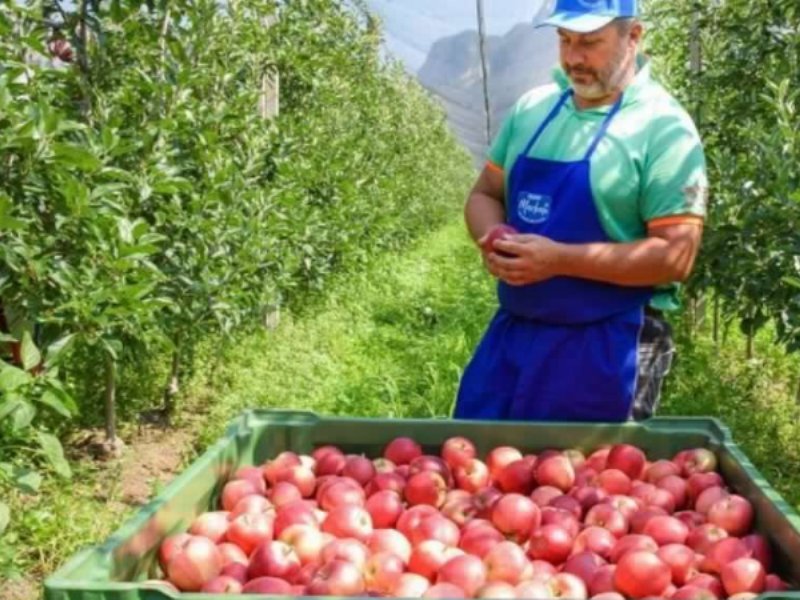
{"x":536,"y":259}
{"x":486,"y":254}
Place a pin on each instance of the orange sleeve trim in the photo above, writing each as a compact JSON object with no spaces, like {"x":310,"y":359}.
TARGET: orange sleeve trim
{"x":675,"y":220}
{"x":494,"y":167}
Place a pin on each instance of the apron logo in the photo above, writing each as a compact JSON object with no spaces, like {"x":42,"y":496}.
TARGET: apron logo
{"x":533,"y":208}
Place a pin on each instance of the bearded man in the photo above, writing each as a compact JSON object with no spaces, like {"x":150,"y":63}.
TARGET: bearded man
{"x":601,"y":177}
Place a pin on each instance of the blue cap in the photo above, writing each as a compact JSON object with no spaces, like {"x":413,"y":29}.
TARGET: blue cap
{"x":583,"y":16}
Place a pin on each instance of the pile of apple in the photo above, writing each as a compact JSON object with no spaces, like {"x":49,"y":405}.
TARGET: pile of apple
{"x":609,"y":525}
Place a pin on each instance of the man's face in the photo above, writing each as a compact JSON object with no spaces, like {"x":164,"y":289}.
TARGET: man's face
{"x":597,"y":62}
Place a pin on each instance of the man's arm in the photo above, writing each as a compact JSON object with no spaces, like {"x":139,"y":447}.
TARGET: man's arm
{"x":485,"y":205}
{"x":665,"y":256}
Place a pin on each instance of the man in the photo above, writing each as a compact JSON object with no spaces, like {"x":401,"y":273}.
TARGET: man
{"x":603,"y":177}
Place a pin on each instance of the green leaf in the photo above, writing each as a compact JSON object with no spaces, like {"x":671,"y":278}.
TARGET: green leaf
{"x":54,"y":351}
{"x":6,"y":338}
{"x":31,"y":357}
{"x":793,"y":281}
{"x":27,"y":481}
{"x":77,"y":157}
{"x":54,"y":453}
{"x":48,"y":398}
{"x":13,"y":378}
{"x":22,"y":417}
{"x":7,"y":222}
{"x":9,"y":406}
{"x":5,"y":517}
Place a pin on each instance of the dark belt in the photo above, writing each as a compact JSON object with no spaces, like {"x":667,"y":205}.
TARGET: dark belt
{"x":649,"y":311}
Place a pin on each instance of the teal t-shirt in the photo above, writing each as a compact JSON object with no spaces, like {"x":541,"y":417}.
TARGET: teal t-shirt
{"x":649,"y":166}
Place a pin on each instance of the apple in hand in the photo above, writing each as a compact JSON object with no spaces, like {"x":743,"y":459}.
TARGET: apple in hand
{"x":498,"y":232}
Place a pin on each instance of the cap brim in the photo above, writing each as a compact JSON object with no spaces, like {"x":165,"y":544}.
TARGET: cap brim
{"x":579,"y":23}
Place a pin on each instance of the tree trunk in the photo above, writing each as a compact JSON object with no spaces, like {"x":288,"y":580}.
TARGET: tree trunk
{"x":750,"y":338}
{"x":173,"y":382}
{"x":716,"y":320}
{"x":110,"y":398}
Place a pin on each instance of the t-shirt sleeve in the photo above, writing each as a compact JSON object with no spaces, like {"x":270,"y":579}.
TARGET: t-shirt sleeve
{"x":498,"y":151}
{"x":675,"y":179}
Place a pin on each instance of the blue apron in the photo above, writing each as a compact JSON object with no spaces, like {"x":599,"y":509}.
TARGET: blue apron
{"x":564,"y":349}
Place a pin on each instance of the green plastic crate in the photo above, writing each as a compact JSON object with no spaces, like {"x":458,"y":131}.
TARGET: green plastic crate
{"x":109,"y":571}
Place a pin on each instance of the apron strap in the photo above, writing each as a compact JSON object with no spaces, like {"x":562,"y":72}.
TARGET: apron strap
{"x":547,"y":121}
{"x":604,"y":127}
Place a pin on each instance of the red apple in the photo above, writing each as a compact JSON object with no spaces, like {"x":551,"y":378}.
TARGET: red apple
{"x":384,"y":507}
{"x":506,"y":562}
{"x":390,"y":540}
{"x":436,"y":527}
{"x":248,"y":530}
{"x":584,"y":565}
{"x":444,"y":590}
{"x":222,"y":584}
{"x":402,"y":450}
{"x":498,"y":232}
{"x":665,"y":529}
{"x":566,"y":585}
{"x":660,"y":469}
{"x":723,"y":552}
{"x":556,"y":471}
{"x":273,"y":559}
{"x":382,"y":572}
{"x":472,"y":476}
{"x":516,"y":516}
{"x":349,"y":521}
{"x":614,"y":481}
{"x":426,"y":487}
{"x":631,"y":542}
{"x":733,"y":513}
{"x":410,"y":585}
{"x":552,"y":543}
{"x":306,"y":540}
{"x":194,"y":564}
{"x":702,"y":537}
{"x":284,"y":460}
{"x":628,"y":459}
{"x":698,"y":460}
{"x":466,"y":571}
{"x":359,"y":468}
{"x":231,"y":553}
{"x":235,"y":490}
{"x":267,"y":585}
{"x":458,"y":451}
{"x":347,"y":549}
{"x":608,"y":517}
{"x":681,"y":560}
{"x":429,"y":557}
{"x":543,"y":494}
{"x":743,"y":575}
{"x":480,"y":540}
{"x":337,"y":578}
{"x":516,"y":478}
{"x":641,"y":575}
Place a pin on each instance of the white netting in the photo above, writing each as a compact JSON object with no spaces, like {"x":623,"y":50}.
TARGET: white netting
{"x":438,"y":41}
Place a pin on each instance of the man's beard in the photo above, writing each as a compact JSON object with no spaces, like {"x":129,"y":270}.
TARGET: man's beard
{"x":605,"y":81}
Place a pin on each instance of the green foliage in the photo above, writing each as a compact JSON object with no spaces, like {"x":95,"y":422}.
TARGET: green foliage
{"x":149,"y":202}
{"x":745,"y":101}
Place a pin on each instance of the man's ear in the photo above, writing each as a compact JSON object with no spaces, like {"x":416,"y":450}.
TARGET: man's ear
{"x":637,"y":31}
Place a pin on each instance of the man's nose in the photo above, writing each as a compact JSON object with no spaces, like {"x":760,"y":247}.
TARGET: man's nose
{"x":572,"y":57}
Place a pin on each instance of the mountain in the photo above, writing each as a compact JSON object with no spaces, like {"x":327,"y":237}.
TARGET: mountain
{"x":521,"y":59}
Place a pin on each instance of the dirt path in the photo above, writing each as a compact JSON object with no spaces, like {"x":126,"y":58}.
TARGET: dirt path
{"x":152,"y":456}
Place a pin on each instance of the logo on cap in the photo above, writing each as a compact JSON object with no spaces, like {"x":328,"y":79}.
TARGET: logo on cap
{"x":610,"y":5}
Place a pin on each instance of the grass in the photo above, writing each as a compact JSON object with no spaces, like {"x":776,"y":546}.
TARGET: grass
{"x":392,"y":341}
